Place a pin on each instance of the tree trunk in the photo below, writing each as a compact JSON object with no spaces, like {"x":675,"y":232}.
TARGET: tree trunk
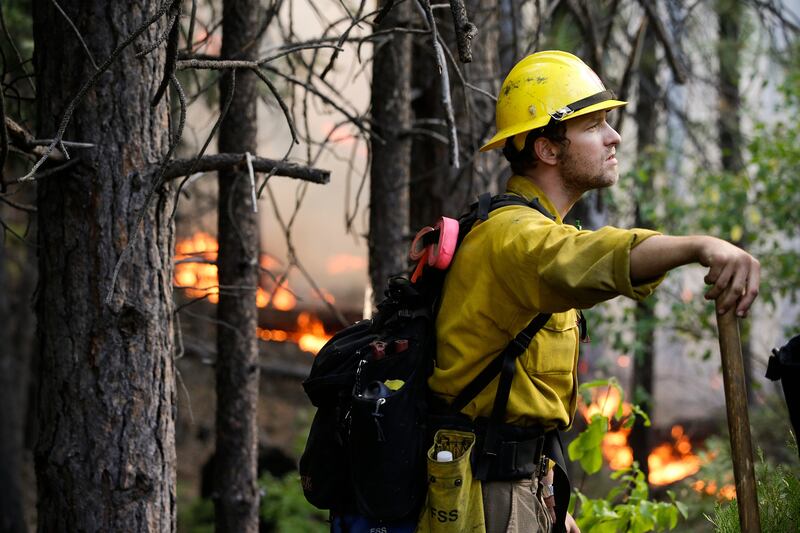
{"x":644,"y":346}
{"x":237,"y":497}
{"x":390,"y":170}
{"x":105,"y":456}
{"x":731,"y":144}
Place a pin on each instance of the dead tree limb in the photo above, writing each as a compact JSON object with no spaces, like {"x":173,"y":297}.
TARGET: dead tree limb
{"x":465,"y":30}
{"x":678,"y":70}
{"x":633,"y":60}
{"x":441,"y":62}
{"x":172,"y":54}
{"x":77,"y":33}
{"x":180,"y":167}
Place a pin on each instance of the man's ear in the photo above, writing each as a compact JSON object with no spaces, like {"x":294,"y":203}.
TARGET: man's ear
{"x":546,"y":151}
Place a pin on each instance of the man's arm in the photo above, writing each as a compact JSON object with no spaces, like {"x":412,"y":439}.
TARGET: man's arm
{"x":733,"y":273}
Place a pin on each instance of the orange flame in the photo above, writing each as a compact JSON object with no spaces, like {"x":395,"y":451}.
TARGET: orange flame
{"x":727,"y":492}
{"x":196,"y":273}
{"x":310,"y":334}
{"x":667,"y":463}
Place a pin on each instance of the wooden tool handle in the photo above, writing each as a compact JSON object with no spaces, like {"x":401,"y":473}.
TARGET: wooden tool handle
{"x":738,"y":421}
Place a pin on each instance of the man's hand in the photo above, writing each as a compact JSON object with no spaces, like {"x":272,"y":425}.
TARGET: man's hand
{"x":733,"y":274}
{"x":570,"y":524}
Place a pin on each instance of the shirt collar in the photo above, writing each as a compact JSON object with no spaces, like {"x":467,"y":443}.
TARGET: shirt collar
{"x":524,"y":187}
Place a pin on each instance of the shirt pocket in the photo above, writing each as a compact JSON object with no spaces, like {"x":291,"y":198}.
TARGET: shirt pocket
{"x":552,"y":350}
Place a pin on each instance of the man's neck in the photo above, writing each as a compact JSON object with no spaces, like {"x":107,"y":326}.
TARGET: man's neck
{"x":553,"y":187}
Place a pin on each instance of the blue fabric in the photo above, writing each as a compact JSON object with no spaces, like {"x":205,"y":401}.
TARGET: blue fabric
{"x":362,"y":524}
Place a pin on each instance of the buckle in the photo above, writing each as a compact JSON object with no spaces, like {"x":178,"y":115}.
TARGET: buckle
{"x":522,"y":341}
{"x":562,"y":113}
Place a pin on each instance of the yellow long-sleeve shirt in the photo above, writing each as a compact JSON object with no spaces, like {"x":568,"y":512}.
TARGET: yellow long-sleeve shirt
{"x":508,"y":269}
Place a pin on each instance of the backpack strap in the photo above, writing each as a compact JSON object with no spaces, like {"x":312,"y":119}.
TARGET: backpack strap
{"x":513,"y":349}
{"x":507,"y":361}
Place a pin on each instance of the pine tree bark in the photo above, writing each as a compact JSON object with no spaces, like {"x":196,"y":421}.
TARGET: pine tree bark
{"x":105,"y":456}
{"x":644,"y":351}
{"x":390,"y":166}
{"x":236,"y":501}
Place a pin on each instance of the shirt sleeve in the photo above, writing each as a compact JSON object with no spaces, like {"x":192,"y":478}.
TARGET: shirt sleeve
{"x":556,"y":267}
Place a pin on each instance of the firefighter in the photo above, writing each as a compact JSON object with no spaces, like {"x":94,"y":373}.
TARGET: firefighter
{"x":552,"y":127}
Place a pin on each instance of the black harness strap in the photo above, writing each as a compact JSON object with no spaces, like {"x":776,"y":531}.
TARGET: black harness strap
{"x":513,"y":349}
{"x":504,"y":363}
{"x":508,"y":359}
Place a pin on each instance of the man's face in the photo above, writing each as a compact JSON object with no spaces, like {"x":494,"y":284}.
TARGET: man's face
{"x":588,"y":160}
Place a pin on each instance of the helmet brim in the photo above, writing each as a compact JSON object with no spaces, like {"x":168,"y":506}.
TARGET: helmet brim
{"x":499,"y":140}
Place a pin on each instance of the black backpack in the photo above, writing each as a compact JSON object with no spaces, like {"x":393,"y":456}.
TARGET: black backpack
{"x":365,"y":452}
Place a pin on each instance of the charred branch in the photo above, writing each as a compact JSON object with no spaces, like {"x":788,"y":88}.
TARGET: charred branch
{"x":172,"y":53}
{"x":181,"y":167}
{"x":465,"y":30}
{"x":20,"y":139}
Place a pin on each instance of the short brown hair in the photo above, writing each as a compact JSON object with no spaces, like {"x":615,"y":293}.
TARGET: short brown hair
{"x":525,"y":159}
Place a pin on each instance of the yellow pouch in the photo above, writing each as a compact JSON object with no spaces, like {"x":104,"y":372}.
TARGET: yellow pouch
{"x":454,"y":503}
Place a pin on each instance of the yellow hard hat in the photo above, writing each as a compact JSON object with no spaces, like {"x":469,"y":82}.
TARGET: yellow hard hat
{"x":546,"y":86}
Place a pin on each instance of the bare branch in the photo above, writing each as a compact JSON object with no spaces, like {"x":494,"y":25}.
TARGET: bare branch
{"x":441,"y":62}
{"x":161,"y":38}
{"x":16,"y":50}
{"x":310,"y":88}
{"x":21,"y":207}
{"x":281,"y":103}
{"x":172,"y":54}
{"x":357,"y":19}
{"x":384,"y":11}
{"x":633,"y":60}
{"x":3,"y":141}
{"x":20,"y":139}
{"x":52,"y":171}
{"x":611,"y":16}
{"x":77,"y":33}
{"x":91,"y":81}
{"x":180,"y":167}
{"x":465,"y":30}
{"x":223,"y":113}
{"x":678,"y":70}
{"x":190,"y":32}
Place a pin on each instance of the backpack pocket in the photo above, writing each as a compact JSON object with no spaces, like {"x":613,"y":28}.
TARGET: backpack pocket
{"x":454,"y":502}
{"x":323,"y":465}
{"x":387,"y":444}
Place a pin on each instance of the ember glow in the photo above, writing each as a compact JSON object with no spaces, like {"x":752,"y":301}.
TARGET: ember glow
{"x":196,"y":274}
{"x":668,"y":462}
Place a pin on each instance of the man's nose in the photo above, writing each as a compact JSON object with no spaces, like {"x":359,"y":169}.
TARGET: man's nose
{"x":612,"y":137}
